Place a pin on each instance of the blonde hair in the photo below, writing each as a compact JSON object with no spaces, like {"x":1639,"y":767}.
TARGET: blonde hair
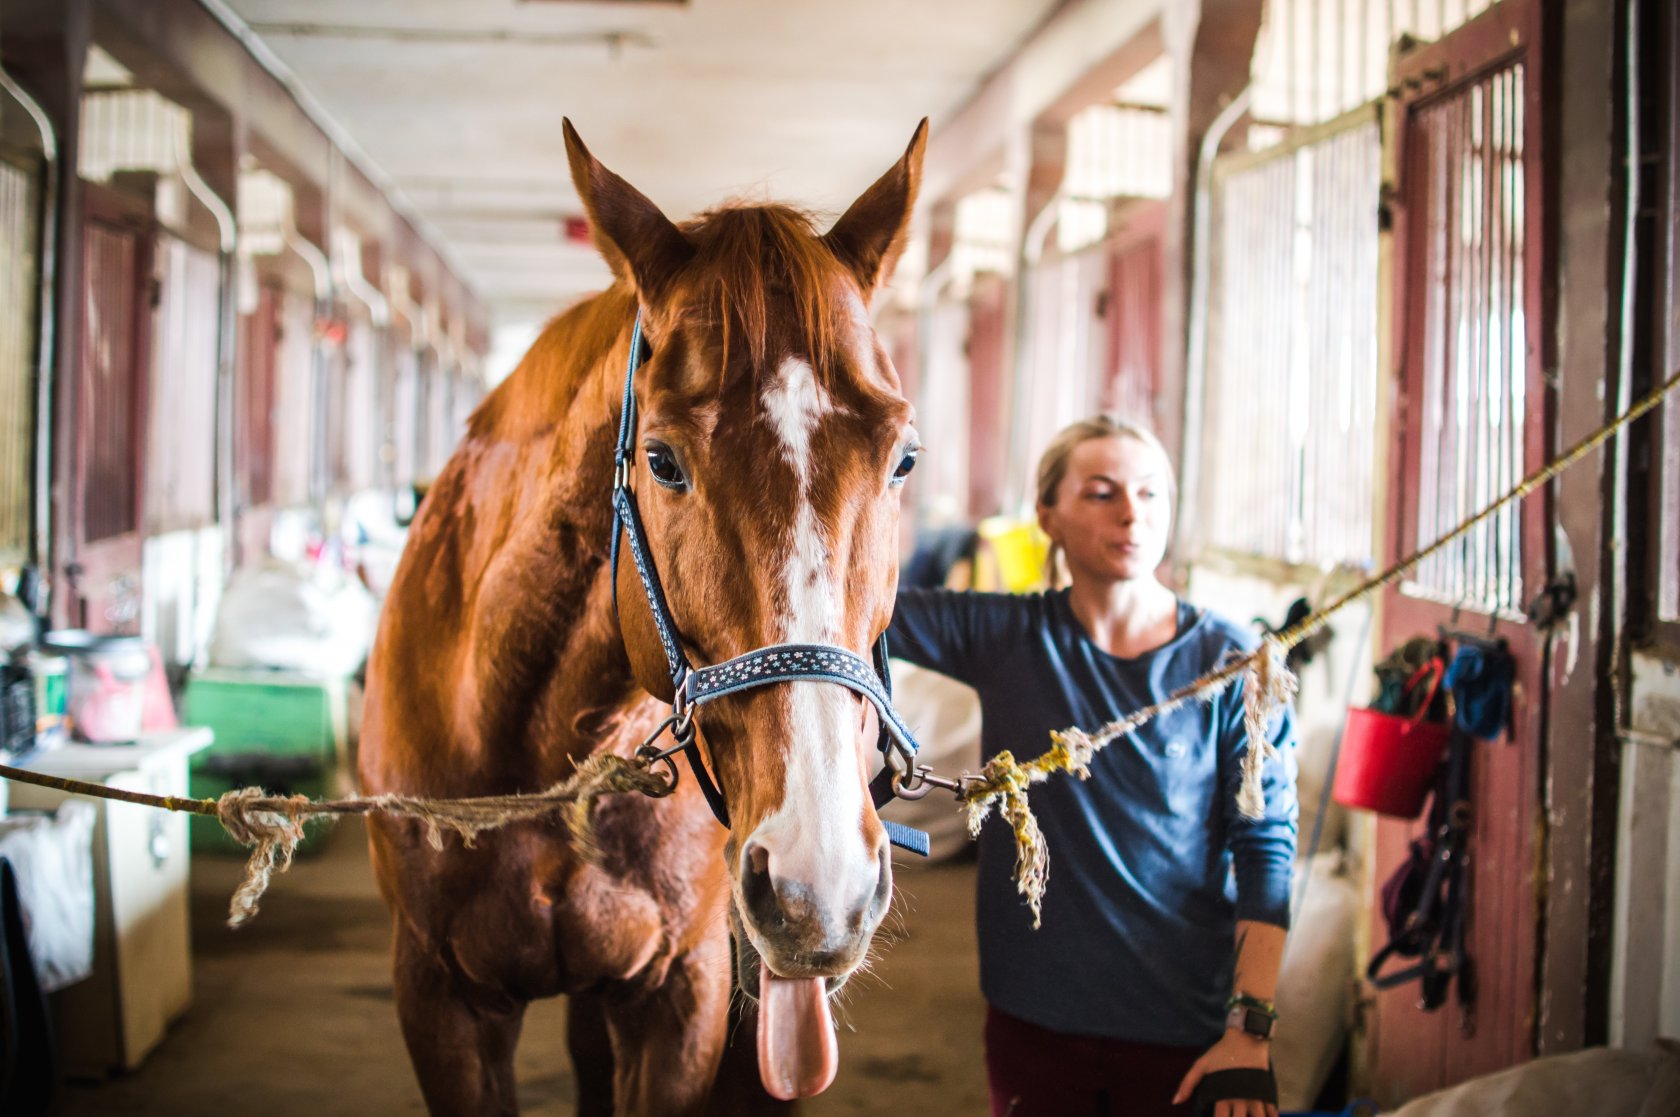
{"x":1053,"y":464}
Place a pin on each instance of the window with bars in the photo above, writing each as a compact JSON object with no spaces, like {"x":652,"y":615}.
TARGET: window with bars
{"x":1114,"y":151}
{"x":1117,"y":150}
{"x":1064,"y":352}
{"x":1317,"y":59}
{"x":357,"y":447}
{"x":983,"y":236}
{"x":180,"y":464}
{"x":1289,"y":437}
{"x":295,"y":386}
{"x":1468,"y":332}
{"x":18,"y":247}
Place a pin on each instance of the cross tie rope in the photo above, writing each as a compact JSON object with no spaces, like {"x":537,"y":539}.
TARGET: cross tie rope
{"x":273,"y":825}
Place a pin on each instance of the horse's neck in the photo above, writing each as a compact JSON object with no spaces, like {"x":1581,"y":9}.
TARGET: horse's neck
{"x":545,"y":648}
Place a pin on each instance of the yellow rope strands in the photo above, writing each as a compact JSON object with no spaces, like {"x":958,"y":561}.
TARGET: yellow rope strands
{"x":273,"y":825}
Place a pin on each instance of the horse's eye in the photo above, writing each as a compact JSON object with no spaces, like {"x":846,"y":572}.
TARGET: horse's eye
{"x":663,"y":465}
{"x":905,"y":465}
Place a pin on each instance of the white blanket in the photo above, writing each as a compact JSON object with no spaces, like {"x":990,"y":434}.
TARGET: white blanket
{"x":1598,"y":1082}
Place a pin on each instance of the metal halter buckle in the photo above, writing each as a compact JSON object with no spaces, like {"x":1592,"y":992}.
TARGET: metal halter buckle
{"x":681,"y":725}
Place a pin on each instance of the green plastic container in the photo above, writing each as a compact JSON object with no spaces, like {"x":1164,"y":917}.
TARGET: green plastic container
{"x":283,"y":732}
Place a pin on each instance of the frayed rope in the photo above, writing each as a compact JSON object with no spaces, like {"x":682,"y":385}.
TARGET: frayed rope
{"x":1004,"y":781}
{"x":273,"y":825}
{"x":1270,"y":684}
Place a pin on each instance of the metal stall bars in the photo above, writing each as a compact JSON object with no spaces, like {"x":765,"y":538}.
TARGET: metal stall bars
{"x":1292,"y":346}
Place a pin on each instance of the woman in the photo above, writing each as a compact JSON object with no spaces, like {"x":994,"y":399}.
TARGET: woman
{"x":1130,"y":995}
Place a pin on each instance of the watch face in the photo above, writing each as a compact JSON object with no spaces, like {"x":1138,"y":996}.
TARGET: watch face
{"x":1254,"y":1021}
{"x":1257,"y":1023}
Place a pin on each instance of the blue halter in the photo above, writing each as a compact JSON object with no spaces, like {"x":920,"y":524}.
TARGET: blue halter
{"x":693,"y":687}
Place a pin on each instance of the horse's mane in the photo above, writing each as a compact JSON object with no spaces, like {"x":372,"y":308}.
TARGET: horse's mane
{"x":751,"y":262}
{"x":749,"y":258}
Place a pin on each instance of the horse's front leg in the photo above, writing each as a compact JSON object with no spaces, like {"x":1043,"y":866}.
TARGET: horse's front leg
{"x":461,"y":1040}
{"x":668,"y":1041}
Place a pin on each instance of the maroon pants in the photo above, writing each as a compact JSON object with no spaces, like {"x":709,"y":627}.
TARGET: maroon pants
{"x":1035,"y":1072}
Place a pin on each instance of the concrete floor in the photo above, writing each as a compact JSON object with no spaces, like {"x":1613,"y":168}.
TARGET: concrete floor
{"x":293,"y":1014}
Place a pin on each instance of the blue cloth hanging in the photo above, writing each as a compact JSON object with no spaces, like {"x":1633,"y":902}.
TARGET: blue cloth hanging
{"x":1481,"y":678}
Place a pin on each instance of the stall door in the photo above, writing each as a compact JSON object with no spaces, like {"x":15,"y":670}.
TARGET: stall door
{"x":1472,"y":419}
{"x":104,"y":578}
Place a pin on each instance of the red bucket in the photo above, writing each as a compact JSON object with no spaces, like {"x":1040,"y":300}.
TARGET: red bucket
{"x":1387,"y":761}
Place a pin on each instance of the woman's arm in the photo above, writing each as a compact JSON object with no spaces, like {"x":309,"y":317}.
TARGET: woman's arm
{"x":1262,"y":859}
{"x":953,"y":633}
{"x":1259,"y":959}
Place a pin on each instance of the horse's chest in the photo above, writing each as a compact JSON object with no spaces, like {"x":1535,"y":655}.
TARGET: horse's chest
{"x":569,"y":924}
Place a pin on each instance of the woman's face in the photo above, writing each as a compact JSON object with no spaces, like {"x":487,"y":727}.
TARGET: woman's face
{"x":1112,"y":511}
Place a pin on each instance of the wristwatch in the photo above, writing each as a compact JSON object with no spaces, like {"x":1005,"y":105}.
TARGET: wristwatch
{"x":1250,"y":1015}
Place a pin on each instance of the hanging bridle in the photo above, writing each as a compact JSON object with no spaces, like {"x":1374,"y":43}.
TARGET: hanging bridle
{"x":693,"y":687}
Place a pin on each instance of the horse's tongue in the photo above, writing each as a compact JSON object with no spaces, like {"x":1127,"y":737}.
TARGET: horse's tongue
{"x":797,"y":1052}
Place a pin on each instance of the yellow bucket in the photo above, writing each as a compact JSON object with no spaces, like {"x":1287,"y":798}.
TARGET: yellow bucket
{"x":1013,"y":555}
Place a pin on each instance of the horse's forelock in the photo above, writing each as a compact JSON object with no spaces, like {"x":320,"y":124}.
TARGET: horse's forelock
{"x":755,"y":262}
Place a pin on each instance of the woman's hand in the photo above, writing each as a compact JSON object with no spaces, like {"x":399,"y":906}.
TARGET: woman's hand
{"x":1234,"y":1051}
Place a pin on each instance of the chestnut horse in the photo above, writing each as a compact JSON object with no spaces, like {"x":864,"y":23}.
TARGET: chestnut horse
{"x":772,"y":435}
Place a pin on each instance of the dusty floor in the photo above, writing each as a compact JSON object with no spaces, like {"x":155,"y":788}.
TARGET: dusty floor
{"x":293,"y":1014}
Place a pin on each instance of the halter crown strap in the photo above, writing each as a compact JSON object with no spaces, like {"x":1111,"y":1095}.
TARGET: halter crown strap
{"x":778,"y":663}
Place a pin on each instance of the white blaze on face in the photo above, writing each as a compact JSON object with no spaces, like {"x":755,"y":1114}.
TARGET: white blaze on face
{"x":814,"y":838}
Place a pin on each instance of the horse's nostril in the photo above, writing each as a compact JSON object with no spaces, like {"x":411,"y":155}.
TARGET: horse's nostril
{"x":883,"y":884}
{"x":758,"y":892}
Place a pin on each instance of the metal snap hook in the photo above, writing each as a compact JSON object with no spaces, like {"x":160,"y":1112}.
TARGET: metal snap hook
{"x":681,"y":725}
{"x":648,"y":755}
{"x":912,"y":785}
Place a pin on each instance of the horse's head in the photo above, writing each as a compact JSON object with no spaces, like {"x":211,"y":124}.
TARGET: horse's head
{"x":772,"y":438}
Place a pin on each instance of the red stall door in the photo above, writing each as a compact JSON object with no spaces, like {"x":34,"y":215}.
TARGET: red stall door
{"x":1472,"y":420}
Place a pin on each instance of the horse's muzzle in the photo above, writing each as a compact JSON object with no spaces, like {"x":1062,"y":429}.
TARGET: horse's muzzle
{"x":804,"y":931}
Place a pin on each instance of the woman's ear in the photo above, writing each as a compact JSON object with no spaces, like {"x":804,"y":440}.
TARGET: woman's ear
{"x":1046,"y":521}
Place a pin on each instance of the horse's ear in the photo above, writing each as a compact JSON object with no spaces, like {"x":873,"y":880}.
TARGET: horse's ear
{"x":871,"y":235}
{"x":639,"y":243}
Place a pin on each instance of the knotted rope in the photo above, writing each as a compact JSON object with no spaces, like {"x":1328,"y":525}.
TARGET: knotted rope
{"x":272,"y":826}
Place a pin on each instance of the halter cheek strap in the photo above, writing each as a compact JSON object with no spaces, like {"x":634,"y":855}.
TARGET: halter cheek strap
{"x":779,"y":663}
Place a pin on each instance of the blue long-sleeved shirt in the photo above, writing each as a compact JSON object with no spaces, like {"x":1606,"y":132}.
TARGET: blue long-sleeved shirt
{"x":1151,"y":865}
